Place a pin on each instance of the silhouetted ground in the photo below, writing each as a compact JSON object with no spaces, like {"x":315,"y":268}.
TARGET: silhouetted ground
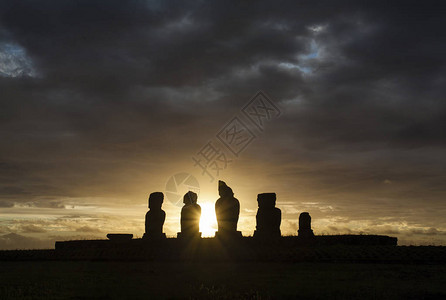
{"x":233,"y":253}
{"x":229,"y":280}
{"x":210,"y":269}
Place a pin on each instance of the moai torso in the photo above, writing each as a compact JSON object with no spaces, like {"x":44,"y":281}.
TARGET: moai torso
{"x":190,"y":219}
{"x":155,"y":217}
{"x":227,"y":210}
{"x":155,"y":221}
{"x":268,"y":216}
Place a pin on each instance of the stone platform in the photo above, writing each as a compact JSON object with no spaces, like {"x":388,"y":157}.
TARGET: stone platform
{"x":241,"y":242}
{"x":242,"y":249}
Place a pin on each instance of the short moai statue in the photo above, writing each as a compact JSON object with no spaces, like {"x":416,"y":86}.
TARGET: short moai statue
{"x":190,"y":217}
{"x":305,"y":230}
{"x":227,"y":210}
{"x":268,"y":217}
{"x":155,"y":217}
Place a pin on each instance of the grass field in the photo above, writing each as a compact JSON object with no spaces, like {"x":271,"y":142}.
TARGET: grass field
{"x":230,"y":280}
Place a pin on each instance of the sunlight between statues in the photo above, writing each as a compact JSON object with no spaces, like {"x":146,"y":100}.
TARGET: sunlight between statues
{"x":227,"y":210}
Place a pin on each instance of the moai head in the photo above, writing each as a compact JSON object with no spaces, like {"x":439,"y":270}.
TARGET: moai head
{"x":266,"y":200}
{"x":190,"y":198}
{"x":224,"y":190}
{"x":156,"y":200}
{"x":305,"y":221}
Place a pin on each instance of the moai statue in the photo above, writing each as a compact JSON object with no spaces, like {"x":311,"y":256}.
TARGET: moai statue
{"x":227,"y":210}
{"x":155,"y":217}
{"x":305,"y":226}
{"x":268,"y":217}
{"x":190,"y":217}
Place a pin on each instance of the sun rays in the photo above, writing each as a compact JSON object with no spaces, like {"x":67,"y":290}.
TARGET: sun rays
{"x":208,"y":220}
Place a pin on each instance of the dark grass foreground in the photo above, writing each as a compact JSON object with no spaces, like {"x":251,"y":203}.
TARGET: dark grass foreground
{"x":213,"y":269}
{"x":230,"y":280}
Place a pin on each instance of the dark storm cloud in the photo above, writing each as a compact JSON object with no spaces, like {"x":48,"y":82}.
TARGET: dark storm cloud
{"x":90,"y":53}
{"x":125,"y":88}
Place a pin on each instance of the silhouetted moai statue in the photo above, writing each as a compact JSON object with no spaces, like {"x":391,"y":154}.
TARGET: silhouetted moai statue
{"x":227,"y":209}
{"x":155,"y":217}
{"x":268,"y":216}
{"x":190,"y":217}
{"x":305,"y":226}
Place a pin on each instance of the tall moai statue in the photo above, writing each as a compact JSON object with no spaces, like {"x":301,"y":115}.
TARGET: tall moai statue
{"x":155,"y":217}
{"x":190,"y":217}
{"x":305,"y":226}
{"x":227,"y":210}
{"x":268,"y":217}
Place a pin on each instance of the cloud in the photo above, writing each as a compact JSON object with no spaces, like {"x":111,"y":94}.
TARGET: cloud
{"x":32,"y":229}
{"x":427,"y":231}
{"x":87,"y":229}
{"x":5,"y":204}
{"x":14,"y":241}
{"x":14,"y":62}
{"x":49,"y":204}
{"x":127,"y":92}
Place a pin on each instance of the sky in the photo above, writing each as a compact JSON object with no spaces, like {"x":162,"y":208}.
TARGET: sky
{"x":336,"y":106}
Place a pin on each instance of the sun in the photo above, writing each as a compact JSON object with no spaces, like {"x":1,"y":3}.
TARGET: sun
{"x":208,"y":220}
